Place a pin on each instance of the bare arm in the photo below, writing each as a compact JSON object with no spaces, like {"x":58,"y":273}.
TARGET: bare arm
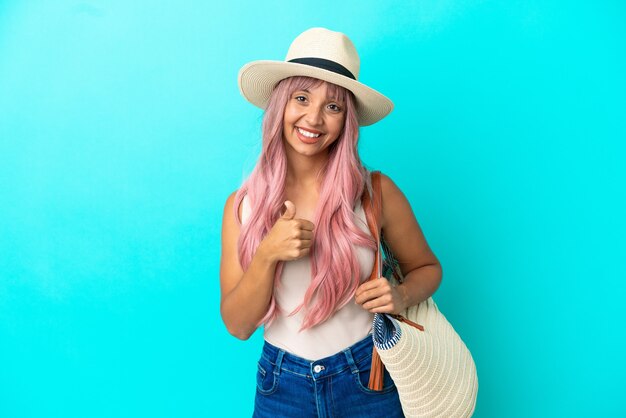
{"x":246,"y":295}
{"x":421,"y":269}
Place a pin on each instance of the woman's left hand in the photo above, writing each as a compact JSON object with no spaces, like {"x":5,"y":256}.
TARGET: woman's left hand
{"x":379,"y":296}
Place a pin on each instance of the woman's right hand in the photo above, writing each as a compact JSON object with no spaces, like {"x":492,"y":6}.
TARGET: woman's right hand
{"x":289,"y":239}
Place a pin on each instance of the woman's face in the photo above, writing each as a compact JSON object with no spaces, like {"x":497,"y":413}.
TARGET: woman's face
{"x":312,"y":121}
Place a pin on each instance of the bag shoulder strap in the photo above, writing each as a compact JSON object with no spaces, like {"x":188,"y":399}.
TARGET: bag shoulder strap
{"x":372,"y":206}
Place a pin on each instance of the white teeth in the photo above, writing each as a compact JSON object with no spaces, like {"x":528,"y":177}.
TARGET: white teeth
{"x":308,"y":134}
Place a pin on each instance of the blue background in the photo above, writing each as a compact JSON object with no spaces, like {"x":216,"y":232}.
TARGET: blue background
{"x":122,"y":131}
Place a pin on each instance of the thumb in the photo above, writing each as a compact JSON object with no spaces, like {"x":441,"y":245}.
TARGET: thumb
{"x":290,"y":210}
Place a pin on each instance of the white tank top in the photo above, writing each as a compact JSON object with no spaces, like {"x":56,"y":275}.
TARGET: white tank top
{"x":345,"y":327}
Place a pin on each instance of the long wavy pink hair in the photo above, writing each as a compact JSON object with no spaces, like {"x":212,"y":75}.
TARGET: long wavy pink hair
{"x":335,"y":268}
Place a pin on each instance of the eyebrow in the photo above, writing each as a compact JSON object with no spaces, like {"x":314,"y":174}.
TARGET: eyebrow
{"x":327,"y":97}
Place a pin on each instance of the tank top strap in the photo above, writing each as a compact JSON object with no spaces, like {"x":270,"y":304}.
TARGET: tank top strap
{"x":245,"y":208}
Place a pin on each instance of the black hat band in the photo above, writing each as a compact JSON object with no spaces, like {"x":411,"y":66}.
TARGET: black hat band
{"x":325,"y":65}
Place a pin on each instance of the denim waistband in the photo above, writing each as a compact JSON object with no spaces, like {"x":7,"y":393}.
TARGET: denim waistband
{"x":318,"y":369}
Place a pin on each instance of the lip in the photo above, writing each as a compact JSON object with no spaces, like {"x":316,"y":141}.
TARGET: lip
{"x":313,"y":131}
{"x":306,"y":139}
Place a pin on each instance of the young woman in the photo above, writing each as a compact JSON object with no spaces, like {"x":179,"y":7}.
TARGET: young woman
{"x":296,"y":248}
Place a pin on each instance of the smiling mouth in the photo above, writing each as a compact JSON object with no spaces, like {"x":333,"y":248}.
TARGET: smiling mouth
{"x":308,"y":134}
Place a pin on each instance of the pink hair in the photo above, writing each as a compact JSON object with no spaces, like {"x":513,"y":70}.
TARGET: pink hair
{"x":335,"y":268}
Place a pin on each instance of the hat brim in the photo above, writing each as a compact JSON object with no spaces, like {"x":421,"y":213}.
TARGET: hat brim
{"x":257,"y":79}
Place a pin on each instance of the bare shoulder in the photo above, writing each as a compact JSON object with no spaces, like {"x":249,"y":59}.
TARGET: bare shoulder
{"x":229,"y":206}
{"x":230,"y":268}
{"x":393,"y":200}
{"x":400,"y":228}
{"x":230,"y":228}
{"x":387,"y":185}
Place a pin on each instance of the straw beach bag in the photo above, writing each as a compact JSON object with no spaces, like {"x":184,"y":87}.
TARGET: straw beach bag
{"x":430,"y":365}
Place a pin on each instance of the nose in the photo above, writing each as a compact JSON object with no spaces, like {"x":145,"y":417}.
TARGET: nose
{"x":314,"y":116}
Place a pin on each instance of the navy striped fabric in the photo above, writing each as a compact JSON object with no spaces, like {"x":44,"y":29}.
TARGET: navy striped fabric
{"x":386,"y":331}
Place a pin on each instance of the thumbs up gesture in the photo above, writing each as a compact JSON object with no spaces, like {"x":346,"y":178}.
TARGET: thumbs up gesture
{"x":290,"y":212}
{"x":289,"y":238}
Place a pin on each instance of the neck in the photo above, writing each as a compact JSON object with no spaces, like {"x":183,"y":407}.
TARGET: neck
{"x":303,"y":171}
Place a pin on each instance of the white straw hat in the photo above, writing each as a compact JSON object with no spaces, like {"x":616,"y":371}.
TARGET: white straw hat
{"x":319,"y":53}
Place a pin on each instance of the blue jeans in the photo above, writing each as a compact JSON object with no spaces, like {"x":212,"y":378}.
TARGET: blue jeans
{"x":290,"y":386}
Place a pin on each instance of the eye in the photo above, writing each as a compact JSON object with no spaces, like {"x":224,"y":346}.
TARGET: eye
{"x":297,"y":98}
{"x":334,"y":107}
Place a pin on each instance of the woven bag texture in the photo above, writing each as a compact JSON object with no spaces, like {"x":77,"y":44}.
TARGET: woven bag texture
{"x":432,"y":369}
